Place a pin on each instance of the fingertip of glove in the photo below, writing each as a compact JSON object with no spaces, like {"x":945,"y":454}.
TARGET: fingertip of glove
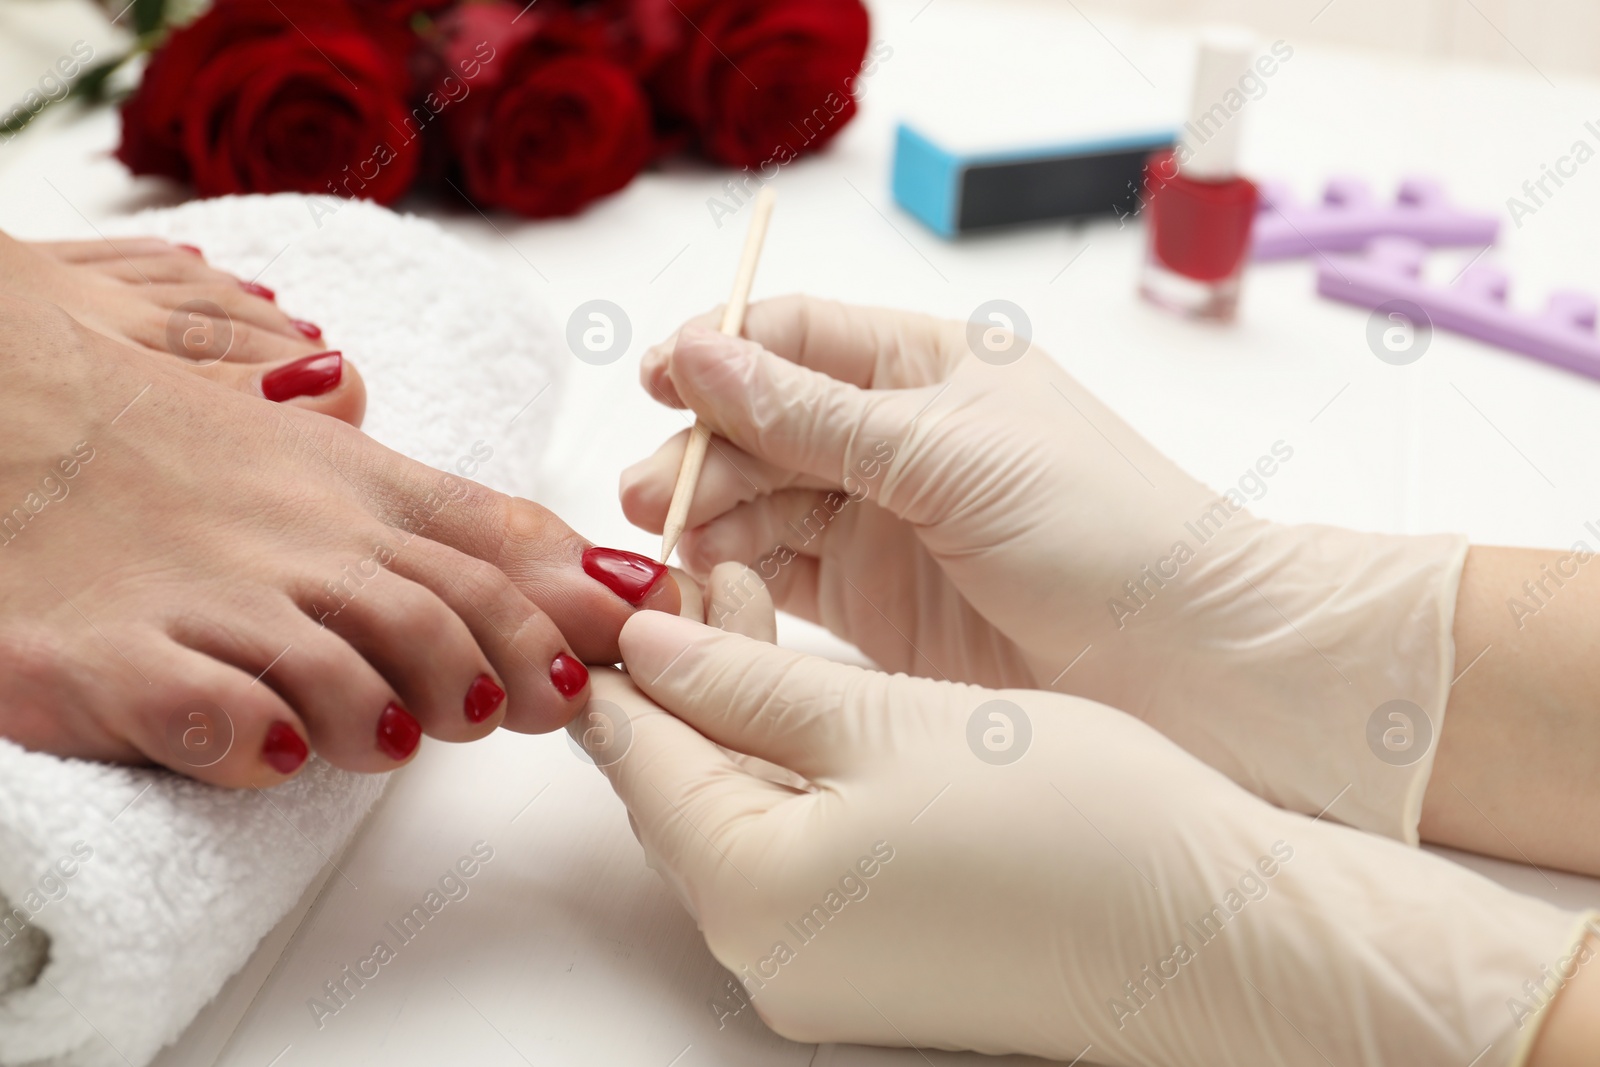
{"x":651,"y":640}
{"x":645,"y":492}
{"x":654,"y":375}
{"x":708,"y":358}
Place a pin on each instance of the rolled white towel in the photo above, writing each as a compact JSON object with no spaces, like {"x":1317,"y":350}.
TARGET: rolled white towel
{"x":128,"y":897}
{"x":136,"y":893}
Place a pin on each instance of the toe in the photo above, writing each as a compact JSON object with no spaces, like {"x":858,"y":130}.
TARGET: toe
{"x":546,"y":683}
{"x":351,"y":714}
{"x":186,"y":321}
{"x":212,"y":721}
{"x":324,"y":382}
{"x":422,"y":648}
{"x":178,"y":283}
{"x":243,"y":340}
{"x":588,"y":592}
{"x":242,"y":302}
{"x":306,"y":380}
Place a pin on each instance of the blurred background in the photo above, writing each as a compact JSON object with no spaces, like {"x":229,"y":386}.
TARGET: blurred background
{"x":1550,"y":35}
{"x":1554,"y":34}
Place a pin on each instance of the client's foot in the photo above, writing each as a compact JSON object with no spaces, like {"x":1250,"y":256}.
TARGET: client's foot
{"x":192,"y":577}
{"x":164,"y":299}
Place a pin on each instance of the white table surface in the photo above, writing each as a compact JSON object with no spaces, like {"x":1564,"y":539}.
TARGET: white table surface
{"x":568,"y":950}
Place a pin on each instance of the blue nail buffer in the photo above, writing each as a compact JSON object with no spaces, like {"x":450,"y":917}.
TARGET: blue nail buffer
{"x":957,"y":192}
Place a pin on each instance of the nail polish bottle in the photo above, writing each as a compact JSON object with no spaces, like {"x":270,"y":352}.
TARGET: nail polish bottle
{"x":1198,"y":209}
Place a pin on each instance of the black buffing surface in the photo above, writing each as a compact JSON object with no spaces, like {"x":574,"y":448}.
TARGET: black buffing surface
{"x":1012,"y":193}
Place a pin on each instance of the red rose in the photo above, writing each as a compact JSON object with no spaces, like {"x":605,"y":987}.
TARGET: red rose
{"x":552,"y":120}
{"x":403,"y":11}
{"x":276,"y":96}
{"x":639,"y":34}
{"x":757,"y":80}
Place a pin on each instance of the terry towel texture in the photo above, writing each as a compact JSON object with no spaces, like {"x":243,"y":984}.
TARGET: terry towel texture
{"x":128,"y":897}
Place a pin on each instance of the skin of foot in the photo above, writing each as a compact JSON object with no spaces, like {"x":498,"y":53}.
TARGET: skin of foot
{"x":167,"y":301}
{"x":193,"y":578}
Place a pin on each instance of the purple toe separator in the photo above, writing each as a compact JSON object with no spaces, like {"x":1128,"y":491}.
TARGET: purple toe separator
{"x":1475,"y":305}
{"x":1350,"y":216}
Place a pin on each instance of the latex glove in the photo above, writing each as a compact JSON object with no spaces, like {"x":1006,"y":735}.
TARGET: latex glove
{"x":997,"y":524}
{"x":732,"y":598}
{"x":1105,"y":895}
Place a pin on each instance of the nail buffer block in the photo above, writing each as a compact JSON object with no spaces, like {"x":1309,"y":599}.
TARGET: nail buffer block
{"x":957,"y":191}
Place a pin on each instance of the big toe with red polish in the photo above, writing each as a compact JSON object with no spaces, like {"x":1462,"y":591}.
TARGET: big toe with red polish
{"x":588,"y":592}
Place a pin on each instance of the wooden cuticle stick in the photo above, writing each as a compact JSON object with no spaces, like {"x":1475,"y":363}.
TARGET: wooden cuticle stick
{"x":694,"y":455}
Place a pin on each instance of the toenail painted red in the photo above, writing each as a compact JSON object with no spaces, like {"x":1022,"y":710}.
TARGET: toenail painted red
{"x":398,"y":732}
{"x":308,"y":329}
{"x":483,"y":696}
{"x":311,"y":376}
{"x":627,"y":574}
{"x":568,"y":675}
{"x":193,"y":251}
{"x":258,"y":290}
{"x":284,"y":750}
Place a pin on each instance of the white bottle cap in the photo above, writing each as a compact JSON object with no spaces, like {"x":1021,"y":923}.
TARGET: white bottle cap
{"x":1209,"y":142}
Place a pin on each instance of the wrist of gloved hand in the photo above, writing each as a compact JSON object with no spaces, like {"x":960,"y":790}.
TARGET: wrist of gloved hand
{"x":1310,"y":664}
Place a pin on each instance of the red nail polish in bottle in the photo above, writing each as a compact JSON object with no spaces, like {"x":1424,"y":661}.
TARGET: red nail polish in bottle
{"x":1199,"y":210}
